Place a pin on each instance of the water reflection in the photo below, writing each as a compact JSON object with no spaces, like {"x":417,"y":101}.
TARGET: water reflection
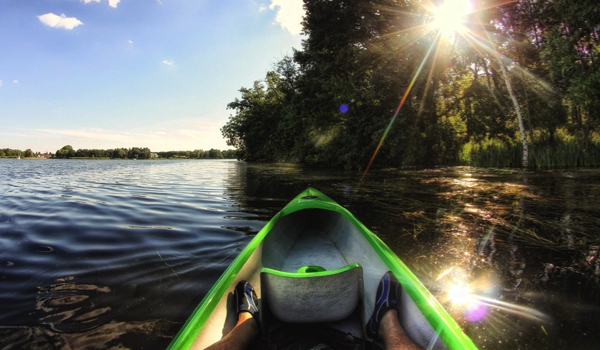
{"x":512,"y":255}
{"x":126,"y":269}
{"x":107,"y":336}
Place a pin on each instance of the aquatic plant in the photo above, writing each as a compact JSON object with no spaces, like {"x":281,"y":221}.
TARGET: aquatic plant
{"x":564,"y":151}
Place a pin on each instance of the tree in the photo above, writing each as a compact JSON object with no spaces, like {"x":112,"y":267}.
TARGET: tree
{"x":571,"y":50}
{"x":65,"y":152}
{"x":513,"y":97}
{"x":215,"y":154}
{"x":28,"y":153}
{"x":257,"y":130}
{"x":332,"y":104}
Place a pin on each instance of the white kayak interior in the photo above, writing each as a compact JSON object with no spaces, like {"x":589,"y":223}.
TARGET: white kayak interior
{"x":317,"y":237}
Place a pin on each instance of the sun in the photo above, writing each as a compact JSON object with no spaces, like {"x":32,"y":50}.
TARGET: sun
{"x":450,"y":17}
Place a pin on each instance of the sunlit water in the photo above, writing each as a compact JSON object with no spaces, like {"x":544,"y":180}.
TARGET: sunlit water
{"x":116,"y":254}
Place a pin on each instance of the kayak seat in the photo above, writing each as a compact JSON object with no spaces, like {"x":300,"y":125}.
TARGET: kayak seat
{"x":312,"y":295}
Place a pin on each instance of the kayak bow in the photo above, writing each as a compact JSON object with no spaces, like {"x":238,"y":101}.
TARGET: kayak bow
{"x":314,"y":237}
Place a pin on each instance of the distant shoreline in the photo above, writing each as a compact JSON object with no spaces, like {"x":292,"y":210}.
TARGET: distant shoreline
{"x":104,"y":158}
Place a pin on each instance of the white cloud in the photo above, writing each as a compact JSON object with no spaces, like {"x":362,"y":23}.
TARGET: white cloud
{"x":289,"y":14}
{"x":111,"y":3}
{"x":61,"y":21}
{"x":0,"y":83}
{"x":159,"y":2}
{"x":130,"y":42}
{"x":168,"y":63}
{"x":15,"y":81}
{"x":192,"y":136}
{"x":95,"y":134}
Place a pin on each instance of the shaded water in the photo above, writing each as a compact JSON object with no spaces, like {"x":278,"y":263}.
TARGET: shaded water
{"x":116,"y":254}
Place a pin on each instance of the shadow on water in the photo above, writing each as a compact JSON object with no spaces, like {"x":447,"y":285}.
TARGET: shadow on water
{"x":116,"y":254}
{"x":512,"y":255}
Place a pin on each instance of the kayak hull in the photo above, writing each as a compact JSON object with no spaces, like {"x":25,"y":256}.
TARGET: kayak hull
{"x":313,"y":230}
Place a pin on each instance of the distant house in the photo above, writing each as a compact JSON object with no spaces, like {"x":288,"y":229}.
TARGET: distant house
{"x":153,"y":155}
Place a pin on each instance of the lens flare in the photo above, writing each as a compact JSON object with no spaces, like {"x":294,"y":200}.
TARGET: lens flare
{"x":450,"y":17}
{"x":475,"y":306}
{"x":475,"y":312}
{"x":459,"y":295}
{"x":412,"y":82}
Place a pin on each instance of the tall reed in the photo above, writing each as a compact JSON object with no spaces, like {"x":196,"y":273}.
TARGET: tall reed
{"x":566,"y":151}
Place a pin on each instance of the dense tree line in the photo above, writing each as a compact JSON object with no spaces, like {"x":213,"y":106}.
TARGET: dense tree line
{"x":10,"y":153}
{"x":141,"y":153}
{"x":199,"y":154}
{"x":521,"y":73}
{"x":121,"y":153}
{"x":14,"y":153}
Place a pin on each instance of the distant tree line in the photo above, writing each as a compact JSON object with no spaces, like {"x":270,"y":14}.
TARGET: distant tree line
{"x":521,"y":75}
{"x":67,"y":152}
{"x":14,"y":153}
{"x":198,"y":154}
{"x":10,"y":153}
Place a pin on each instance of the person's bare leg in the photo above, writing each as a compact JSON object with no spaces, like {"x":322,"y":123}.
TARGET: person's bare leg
{"x":240,"y":336}
{"x":394,"y":337}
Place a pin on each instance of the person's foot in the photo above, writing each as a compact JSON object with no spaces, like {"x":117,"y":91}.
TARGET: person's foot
{"x":246,"y":300}
{"x":386,"y":299}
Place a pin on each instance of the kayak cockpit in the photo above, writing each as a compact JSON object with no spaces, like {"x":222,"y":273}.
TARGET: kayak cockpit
{"x":313,"y":237}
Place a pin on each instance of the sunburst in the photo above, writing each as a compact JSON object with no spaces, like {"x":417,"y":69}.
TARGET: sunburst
{"x":450,"y":17}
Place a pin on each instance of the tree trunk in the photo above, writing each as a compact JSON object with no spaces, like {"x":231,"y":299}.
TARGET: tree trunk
{"x":527,"y":106}
{"x":518,"y":110}
{"x":586,"y":130}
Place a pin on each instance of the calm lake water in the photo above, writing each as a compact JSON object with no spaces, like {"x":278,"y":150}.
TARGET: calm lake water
{"x":116,"y":254}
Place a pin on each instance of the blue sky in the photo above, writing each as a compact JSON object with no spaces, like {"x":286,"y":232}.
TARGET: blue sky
{"x":143,"y":73}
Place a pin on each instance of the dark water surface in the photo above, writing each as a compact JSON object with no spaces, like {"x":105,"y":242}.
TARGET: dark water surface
{"x":116,"y":254}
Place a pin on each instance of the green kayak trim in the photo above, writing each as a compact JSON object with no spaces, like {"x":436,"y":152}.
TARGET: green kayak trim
{"x":310,"y":274}
{"x":446,"y":327}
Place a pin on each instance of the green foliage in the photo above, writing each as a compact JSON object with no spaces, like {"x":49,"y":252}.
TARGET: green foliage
{"x":572,"y":55}
{"x":141,"y":153}
{"x":10,"y":153}
{"x":562,"y":152}
{"x":364,"y":54}
{"x":65,"y":152}
{"x":492,"y":153}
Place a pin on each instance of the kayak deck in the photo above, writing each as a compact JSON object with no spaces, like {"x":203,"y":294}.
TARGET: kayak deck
{"x":312,"y":245}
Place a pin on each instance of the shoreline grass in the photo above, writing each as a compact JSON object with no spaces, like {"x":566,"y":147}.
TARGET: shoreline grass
{"x":565,"y":152}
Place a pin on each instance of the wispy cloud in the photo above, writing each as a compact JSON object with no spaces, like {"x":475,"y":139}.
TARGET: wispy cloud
{"x":15,"y":134}
{"x":168,"y":63}
{"x":130,"y":42}
{"x":111,"y":3}
{"x":90,"y":134}
{"x":0,"y":83}
{"x":289,"y":14}
{"x":15,"y":81}
{"x":61,"y":21}
{"x":155,"y":138}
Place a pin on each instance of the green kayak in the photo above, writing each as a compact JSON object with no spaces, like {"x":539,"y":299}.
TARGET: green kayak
{"x":333,"y":264}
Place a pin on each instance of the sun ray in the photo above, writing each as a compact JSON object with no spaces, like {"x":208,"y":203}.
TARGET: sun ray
{"x":450,"y":17}
{"x":398,"y":109}
{"x":435,"y":60}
